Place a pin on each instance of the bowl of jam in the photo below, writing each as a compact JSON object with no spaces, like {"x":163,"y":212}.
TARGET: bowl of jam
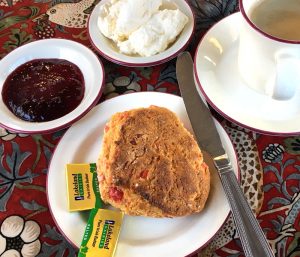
{"x":48,"y":84}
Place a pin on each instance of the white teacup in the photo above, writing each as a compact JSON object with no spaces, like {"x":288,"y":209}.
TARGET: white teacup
{"x":267,"y":63}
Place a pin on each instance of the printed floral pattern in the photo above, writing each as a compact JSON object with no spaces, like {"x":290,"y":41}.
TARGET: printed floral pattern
{"x":25,"y":158}
{"x":19,"y":237}
{"x":273,"y":153}
{"x":7,"y":135}
{"x":121,"y":85}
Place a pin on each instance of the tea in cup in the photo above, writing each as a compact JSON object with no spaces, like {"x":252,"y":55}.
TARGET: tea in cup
{"x":269,"y":49}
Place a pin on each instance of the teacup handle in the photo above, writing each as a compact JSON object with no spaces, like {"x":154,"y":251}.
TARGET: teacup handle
{"x":287,"y":76}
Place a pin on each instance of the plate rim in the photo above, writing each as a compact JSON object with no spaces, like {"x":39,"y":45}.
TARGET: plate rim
{"x":211,"y":102}
{"x":198,"y":248}
{"x":146,"y":63}
{"x":76,"y":118}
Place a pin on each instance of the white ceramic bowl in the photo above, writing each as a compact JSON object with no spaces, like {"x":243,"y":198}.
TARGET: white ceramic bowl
{"x":107,"y":49}
{"x":83,"y":57}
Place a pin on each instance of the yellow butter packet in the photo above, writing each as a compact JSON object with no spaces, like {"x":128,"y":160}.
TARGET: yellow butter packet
{"x":82,"y":187}
{"x":101,"y":233}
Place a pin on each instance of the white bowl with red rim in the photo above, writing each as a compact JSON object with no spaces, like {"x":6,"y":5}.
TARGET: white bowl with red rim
{"x":78,"y":54}
{"x":107,"y":48}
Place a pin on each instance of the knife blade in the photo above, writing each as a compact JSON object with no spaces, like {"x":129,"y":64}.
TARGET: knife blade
{"x":252,"y":237}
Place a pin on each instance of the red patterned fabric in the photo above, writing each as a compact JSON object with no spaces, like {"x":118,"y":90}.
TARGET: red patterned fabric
{"x":274,"y":182}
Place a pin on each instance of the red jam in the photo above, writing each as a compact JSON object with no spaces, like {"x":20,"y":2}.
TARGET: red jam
{"x":106,"y":128}
{"x":116,"y":194}
{"x":144,"y":174}
{"x":43,"y":89}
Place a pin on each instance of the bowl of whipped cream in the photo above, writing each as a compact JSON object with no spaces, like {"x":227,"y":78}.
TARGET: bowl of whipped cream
{"x":140,"y":32}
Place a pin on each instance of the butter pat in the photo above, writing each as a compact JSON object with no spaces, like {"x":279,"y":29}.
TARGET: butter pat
{"x":101,"y":233}
{"x":82,"y":187}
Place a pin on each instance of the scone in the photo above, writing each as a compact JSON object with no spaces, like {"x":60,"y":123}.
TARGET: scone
{"x":150,"y":165}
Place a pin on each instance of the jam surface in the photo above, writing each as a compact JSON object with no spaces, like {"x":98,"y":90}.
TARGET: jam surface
{"x":43,"y":89}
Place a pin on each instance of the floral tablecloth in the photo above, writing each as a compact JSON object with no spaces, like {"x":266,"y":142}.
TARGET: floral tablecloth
{"x":270,"y":166}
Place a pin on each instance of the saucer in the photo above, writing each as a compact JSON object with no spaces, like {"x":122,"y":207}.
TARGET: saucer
{"x":219,"y":81}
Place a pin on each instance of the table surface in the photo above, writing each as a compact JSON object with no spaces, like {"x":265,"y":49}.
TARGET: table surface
{"x":269,"y":165}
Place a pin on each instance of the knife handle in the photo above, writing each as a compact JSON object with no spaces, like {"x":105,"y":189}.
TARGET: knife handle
{"x":251,"y":235}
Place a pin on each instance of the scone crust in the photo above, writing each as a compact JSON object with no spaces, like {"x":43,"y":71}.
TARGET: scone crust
{"x":150,"y":165}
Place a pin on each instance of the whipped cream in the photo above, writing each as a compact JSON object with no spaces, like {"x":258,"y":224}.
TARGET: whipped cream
{"x":154,"y":36}
{"x":140,"y":26}
{"x":119,"y":18}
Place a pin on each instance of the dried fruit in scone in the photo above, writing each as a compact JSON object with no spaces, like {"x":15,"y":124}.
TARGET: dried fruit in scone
{"x":150,"y":165}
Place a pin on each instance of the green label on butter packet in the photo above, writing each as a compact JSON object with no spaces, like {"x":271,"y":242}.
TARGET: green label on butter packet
{"x":82,"y":187}
{"x":101,"y":233}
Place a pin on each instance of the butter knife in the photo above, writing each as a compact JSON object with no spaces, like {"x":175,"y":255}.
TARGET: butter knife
{"x":253,"y":240}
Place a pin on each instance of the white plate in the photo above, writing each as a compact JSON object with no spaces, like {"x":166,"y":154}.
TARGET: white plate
{"x":72,"y":51}
{"x":109,"y":51}
{"x":220,"y":83}
{"x":140,"y":236}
